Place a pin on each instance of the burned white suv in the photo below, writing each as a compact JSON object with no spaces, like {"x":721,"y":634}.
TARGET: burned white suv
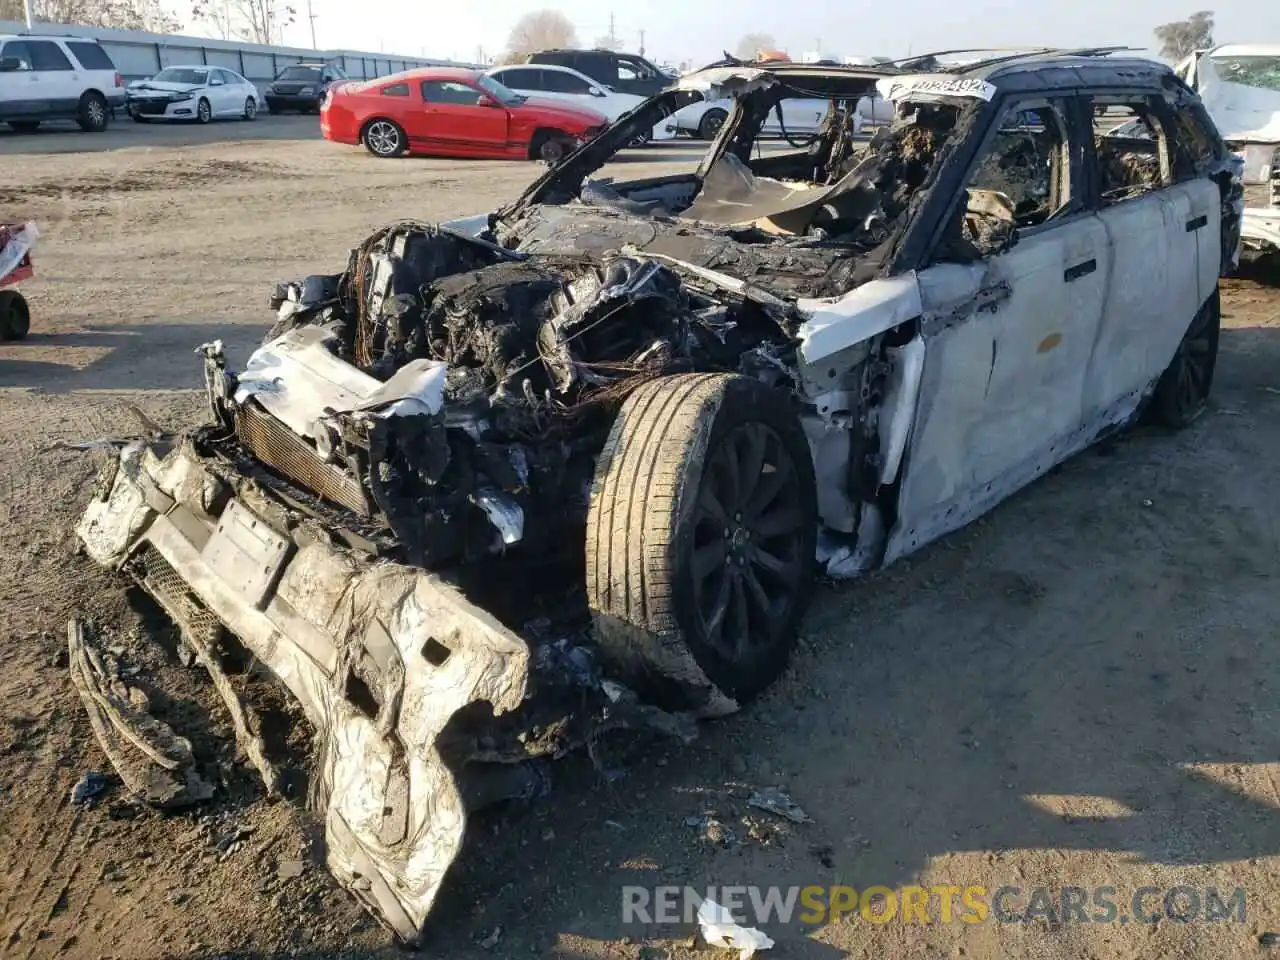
{"x":708,"y":388}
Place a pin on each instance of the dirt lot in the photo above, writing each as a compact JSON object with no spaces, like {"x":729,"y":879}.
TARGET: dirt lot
{"x":1079,"y":690}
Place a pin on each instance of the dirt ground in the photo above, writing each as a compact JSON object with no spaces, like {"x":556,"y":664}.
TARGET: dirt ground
{"x":1079,"y":690}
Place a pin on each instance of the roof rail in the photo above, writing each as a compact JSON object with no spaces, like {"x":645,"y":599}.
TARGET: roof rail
{"x":947,"y":53}
{"x":1019,"y":53}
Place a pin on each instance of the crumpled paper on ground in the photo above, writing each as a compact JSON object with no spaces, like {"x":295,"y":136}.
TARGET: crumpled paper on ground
{"x":720,"y":930}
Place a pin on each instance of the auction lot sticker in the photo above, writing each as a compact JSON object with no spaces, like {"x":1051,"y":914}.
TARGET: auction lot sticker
{"x":932,"y":85}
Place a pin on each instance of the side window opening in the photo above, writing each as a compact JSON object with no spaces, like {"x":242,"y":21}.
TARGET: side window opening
{"x":91,"y":55}
{"x":396,"y":90}
{"x":17,"y":50}
{"x":1131,"y":146}
{"x":1194,"y":150}
{"x":47,"y":55}
{"x":556,"y":82}
{"x":446,"y":91}
{"x":1022,"y":180}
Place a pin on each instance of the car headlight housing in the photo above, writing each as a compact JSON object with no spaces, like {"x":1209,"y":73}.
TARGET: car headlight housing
{"x":306,"y":91}
{"x":180,"y":97}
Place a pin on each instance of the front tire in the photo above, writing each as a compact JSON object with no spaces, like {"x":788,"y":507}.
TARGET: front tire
{"x":15,"y":316}
{"x":92,"y":114}
{"x":1182,"y":393}
{"x":711,"y":123}
{"x":701,"y":534}
{"x":551,"y":147}
{"x":250,"y":109}
{"x":204,"y":112}
{"x":384,"y":139}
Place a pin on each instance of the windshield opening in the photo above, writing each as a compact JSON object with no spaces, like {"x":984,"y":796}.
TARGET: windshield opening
{"x":504,"y":95}
{"x":300,"y":73}
{"x":1260,"y":72}
{"x":799,"y":164}
{"x":182,"y":75}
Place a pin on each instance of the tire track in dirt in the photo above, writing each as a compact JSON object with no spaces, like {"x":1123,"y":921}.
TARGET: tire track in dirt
{"x":41,"y":851}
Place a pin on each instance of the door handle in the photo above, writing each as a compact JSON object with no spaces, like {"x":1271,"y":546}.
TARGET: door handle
{"x":1079,"y":270}
{"x":1196,"y":223}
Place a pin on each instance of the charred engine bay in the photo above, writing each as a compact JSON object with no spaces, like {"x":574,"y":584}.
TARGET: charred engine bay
{"x":541,"y":349}
{"x":548,"y":322}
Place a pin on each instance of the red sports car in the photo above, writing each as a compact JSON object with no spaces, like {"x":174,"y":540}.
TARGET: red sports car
{"x":453,"y":113}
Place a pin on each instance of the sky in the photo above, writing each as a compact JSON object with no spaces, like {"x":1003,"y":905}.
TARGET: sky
{"x":677,"y":30}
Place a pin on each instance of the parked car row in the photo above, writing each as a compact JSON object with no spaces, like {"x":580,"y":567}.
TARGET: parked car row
{"x":46,"y":78}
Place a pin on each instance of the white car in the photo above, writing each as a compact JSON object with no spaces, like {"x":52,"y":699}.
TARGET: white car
{"x":197,"y":93}
{"x":800,"y":116}
{"x":548,"y":82}
{"x":1240,"y":87}
{"x":57,"y":78}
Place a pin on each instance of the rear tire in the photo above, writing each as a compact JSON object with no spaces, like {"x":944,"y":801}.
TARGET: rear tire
{"x":15,"y":316}
{"x":701,"y":534}
{"x":385,"y":139}
{"x":24,"y":126}
{"x":1182,"y":393}
{"x":92,"y":113}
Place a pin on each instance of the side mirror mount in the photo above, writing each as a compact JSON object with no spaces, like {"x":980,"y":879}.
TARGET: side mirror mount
{"x":10,"y":64}
{"x":596,"y":92}
{"x":484,"y":100}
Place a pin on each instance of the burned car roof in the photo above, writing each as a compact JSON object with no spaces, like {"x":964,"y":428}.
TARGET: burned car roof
{"x":1063,"y":69}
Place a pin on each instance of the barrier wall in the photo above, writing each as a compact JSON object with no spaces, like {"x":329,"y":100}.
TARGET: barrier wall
{"x":141,"y":55}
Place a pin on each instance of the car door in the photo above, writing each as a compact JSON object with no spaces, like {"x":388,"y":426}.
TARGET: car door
{"x":800,"y":114}
{"x":1155,"y":227}
{"x":1013,"y":299}
{"x":21,"y":93}
{"x":233,"y":94}
{"x":460,"y":119}
{"x":222,"y":94}
{"x":59,"y":80}
{"x":246,"y":88}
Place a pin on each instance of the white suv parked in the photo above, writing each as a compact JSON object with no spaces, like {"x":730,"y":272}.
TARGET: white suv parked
{"x":57,"y":78}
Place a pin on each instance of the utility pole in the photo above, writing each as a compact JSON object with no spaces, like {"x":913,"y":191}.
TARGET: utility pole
{"x":613,"y":37}
{"x":312,"y":18}
{"x":642,"y":43}
{"x":27,"y":7}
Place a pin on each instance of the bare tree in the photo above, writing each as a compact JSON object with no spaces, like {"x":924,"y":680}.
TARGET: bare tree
{"x":258,"y":21}
{"x":541,"y":30}
{"x":117,"y":14}
{"x":751,"y":44}
{"x":1182,"y":38}
{"x":218,"y":15}
{"x":608,"y":42}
